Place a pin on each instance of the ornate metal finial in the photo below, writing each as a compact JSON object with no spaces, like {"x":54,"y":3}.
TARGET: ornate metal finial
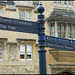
{"x":40,"y":8}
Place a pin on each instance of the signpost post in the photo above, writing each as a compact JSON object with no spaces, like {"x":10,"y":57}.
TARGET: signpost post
{"x":41,"y":35}
{"x":48,"y":41}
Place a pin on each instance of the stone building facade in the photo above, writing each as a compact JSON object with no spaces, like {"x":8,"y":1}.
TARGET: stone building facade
{"x":19,"y":50}
{"x":60,"y":23}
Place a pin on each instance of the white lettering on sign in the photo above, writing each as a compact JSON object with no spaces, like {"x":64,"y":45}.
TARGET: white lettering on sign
{"x":5,"y":20}
{"x":67,"y":47}
{"x":49,"y":44}
{"x":7,"y":27}
{"x":3,"y":26}
{"x":59,"y":46}
{"x":12,"y":27}
{"x":52,"y":39}
{"x":63,"y":40}
{"x":72,"y":42}
{"x":60,"y":40}
{"x":21,"y":22}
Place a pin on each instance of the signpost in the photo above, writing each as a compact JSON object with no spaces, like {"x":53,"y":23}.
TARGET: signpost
{"x":59,"y":46}
{"x":59,"y":40}
{"x":38,"y":28}
{"x":58,"y":43}
{"x":18,"y":25}
{"x":41,"y":40}
{"x":47,"y":41}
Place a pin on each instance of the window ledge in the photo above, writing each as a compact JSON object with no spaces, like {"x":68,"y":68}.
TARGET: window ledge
{"x":70,"y":6}
{"x":29,"y":59}
{"x":59,"y":4}
{"x":22,"y":59}
{"x":65,"y":5}
{"x":55,"y":4}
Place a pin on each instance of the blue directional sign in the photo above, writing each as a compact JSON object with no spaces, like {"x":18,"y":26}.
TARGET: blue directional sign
{"x":59,"y":46}
{"x":18,"y":25}
{"x":59,"y":40}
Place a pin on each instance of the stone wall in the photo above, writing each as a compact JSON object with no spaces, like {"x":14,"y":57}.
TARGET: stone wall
{"x":11,"y":63}
{"x":61,"y":68}
{"x":18,"y":69}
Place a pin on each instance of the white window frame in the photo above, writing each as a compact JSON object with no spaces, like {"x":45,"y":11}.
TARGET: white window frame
{"x":59,"y":30}
{"x":63,"y":30}
{"x":69,"y":32}
{"x":22,"y":52}
{"x":66,"y":2}
{"x":59,"y":3}
{"x":1,"y":52}
{"x":0,"y":12}
{"x":31,"y":56}
{"x":30,"y":53}
{"x":69,"y":2}
{"x":27,"y":15}
{"x":73,"y":32}
{"x":53,"y":32}
{"x":55,"y":2}
{"x":21,"y":15}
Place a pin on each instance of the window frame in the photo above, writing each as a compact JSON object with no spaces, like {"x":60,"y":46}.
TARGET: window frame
{"x":70,"y":32}
{"x":25,"y":53}
{"x":22,"y":52}
{"x":55,"y":2}
{"x":29,"y":52}
{"x":27,"y":16}
{"x":63,"y":31}
{"x":53,"y":32}
{"x":21,"y":15}
{"x":73,"y":32}
{"x":59,"y":3}
{"x":64,"y":2}
{"x":69,"y":2}
{"x":59,"y":31}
